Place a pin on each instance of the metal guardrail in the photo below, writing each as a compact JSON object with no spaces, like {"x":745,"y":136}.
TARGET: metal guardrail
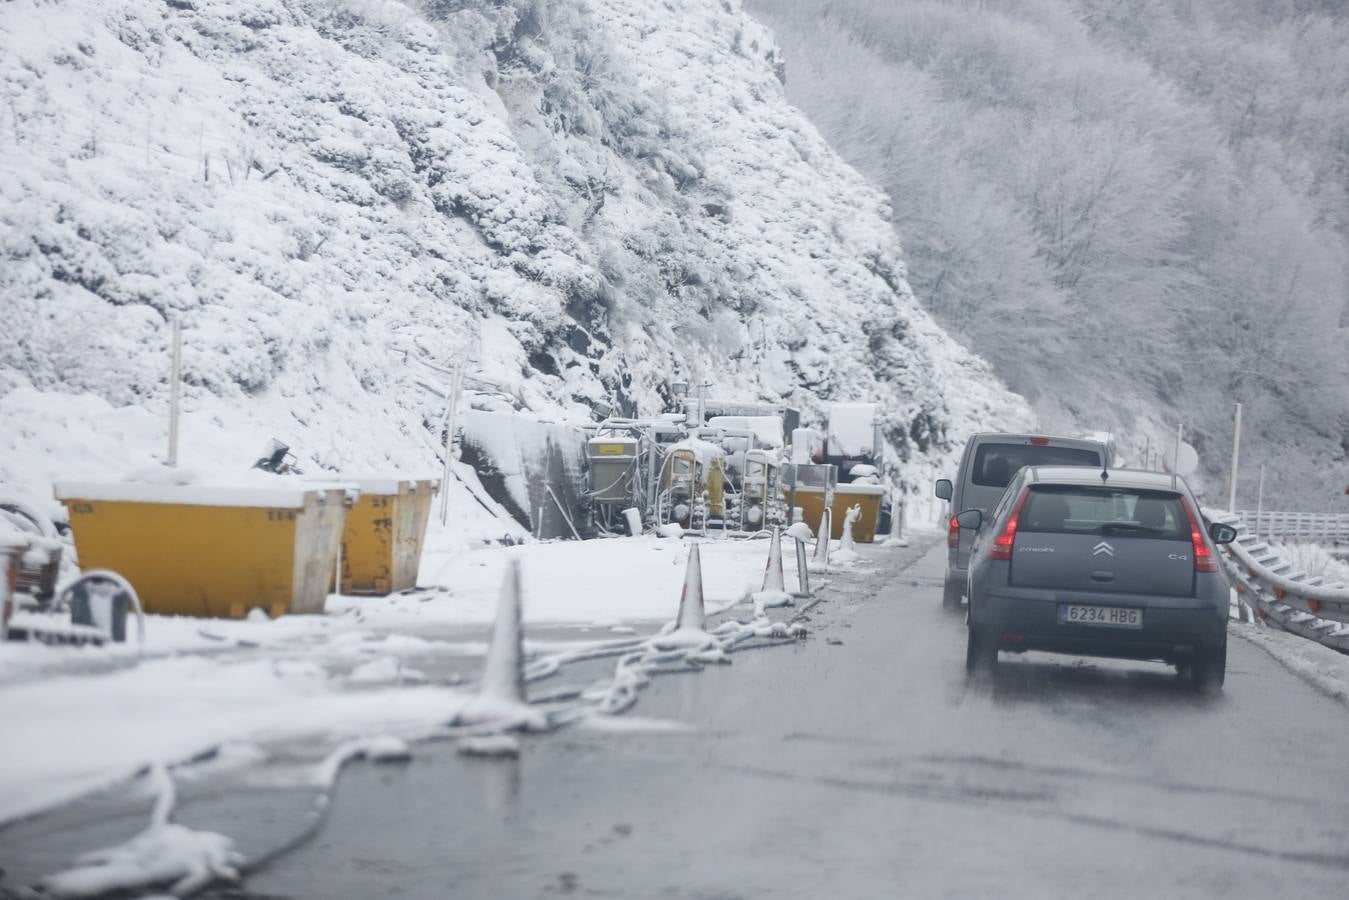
{"x":1273,"y":589}
{"x":1322,"y":528}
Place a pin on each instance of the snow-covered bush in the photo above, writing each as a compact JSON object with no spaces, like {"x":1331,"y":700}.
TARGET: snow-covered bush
{"x":609,"y":193}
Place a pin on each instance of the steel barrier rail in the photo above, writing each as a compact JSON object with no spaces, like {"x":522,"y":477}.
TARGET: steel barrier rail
{"x":1269,"y":585}
{"x":1297,"y":526}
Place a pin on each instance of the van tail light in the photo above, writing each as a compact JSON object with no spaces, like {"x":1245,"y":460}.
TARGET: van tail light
{"x":1002,"y":544}
{"x":1203,"y":556}
{"x":1039,"y":442}
{"x":953,"y":533}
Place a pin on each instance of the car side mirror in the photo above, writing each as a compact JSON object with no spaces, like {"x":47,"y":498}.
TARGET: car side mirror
{"x":973,"y":519}
{"x":1221,"y":533}
{"x":944,"y":488}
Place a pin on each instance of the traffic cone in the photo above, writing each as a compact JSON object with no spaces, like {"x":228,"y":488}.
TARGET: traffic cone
{"x":692,"y":611}
{"x":503,"y":675}
{"x":772,"y":576}
{"x":821,"y":558}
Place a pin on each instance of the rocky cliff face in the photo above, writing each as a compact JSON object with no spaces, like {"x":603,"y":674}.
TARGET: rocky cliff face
{"x":586,"y":199}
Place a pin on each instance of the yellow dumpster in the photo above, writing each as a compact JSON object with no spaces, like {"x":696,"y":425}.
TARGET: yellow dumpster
{"x":812,"y":501}
{"x":195,"y":550}
{"x":382,"y":540}
{"x":868,"y":497}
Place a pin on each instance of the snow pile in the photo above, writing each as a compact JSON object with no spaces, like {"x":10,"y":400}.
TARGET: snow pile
{"x":597,"y":196}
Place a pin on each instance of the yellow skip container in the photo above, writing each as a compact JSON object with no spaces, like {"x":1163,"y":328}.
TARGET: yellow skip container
{"x":868,"y":497}
{"x":195,"y":550}
{"x":383,"y":537}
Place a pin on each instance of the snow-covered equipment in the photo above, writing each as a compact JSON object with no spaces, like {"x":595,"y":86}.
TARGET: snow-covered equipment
{"x":384,"y":533}
{"x":277,"y":459}
{"x":102,"y":599}
{"x":759,"y":503}
{"x":710,"y":408}
{"x":200,"y":550}
{"x":692,"y":485}
{"x":12,"y":548}
{"x":846,"y":539}
{"x":866,"y":498}
{"x":40,"y":568}
{"x":853,"y":437}
{"x":623,"y":464}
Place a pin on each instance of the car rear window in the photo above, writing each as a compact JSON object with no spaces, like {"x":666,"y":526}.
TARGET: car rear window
{"x":995,"y":465}
{"x":1072,"y":509}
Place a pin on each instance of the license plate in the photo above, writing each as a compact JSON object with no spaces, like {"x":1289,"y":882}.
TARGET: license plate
{"x":1106,"y":616}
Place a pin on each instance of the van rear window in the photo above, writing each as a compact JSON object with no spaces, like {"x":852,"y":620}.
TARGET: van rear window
{"x":995,"y":465}
{"x":1072,"y":509}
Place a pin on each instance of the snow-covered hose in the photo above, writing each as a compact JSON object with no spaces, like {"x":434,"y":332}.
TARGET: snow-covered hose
{"x":1316,"y":612}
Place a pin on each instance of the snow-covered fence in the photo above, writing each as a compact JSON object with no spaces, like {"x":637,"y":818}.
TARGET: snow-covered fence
{"x":1294,"y":527}
{"x":1275,"y":590}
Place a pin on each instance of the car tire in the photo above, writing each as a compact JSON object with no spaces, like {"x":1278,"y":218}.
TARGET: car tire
{"x":981,"y":654}
{"x":952,"y":593}
{"x":1208,"y":670}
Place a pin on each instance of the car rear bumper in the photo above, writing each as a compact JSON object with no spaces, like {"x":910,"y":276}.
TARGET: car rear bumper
{"x":1168,"y":633}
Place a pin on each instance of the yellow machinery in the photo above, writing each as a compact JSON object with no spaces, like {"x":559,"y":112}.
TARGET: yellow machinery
{"x":213,"y":551}
{"x":383,"y":536}
{"x":760,"y":500}
{"x":692,"y":484}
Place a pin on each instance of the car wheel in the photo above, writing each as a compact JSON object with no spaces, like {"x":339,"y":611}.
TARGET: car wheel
{"x":951,"y":594}
{"x":1208,"y":670}
{"x":981,"y":654}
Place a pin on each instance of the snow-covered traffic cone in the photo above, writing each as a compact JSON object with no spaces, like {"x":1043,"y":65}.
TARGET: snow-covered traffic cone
{"x":690,"y":631}
{"x":774,"y":590}
{"x":772,"y":575}
{"x":692,"y":610}
{"x":820,"y":561}
{"x":503,"y":675}
{"x":500,"y":704}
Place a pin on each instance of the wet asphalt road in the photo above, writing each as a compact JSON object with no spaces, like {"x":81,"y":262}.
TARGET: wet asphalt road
{"x":859,"y":763}
{"x":872,"y":768}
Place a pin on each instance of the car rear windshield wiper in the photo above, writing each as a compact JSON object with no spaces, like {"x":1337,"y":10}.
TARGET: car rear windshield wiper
{"x":1130,"y":528}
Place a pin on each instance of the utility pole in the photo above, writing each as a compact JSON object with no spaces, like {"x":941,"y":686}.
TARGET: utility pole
{"x":1175,"y":459}
{"x":1236,"y":457}
{"x":175,"y":382}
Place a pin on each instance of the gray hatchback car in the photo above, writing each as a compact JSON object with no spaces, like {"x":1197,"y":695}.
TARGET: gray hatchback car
{"x":1099,"y":562}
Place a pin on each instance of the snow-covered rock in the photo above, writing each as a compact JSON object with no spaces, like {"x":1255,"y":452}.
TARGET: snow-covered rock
{"x":598,"y":196}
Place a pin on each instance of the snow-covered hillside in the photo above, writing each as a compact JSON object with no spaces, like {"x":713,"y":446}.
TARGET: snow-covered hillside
{"x":604,"y":194}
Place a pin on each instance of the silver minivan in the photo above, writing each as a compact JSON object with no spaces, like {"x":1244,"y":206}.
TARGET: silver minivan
{"x":989,"y":463}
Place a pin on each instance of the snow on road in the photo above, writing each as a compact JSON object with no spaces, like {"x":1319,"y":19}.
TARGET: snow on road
{"x":88,"y":717}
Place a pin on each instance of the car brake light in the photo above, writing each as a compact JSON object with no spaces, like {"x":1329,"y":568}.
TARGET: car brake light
{"x":1203,"y":556}
{"x":1002,"y":544}
{"x":953,"y":533}
{"x":1039,"y":441}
